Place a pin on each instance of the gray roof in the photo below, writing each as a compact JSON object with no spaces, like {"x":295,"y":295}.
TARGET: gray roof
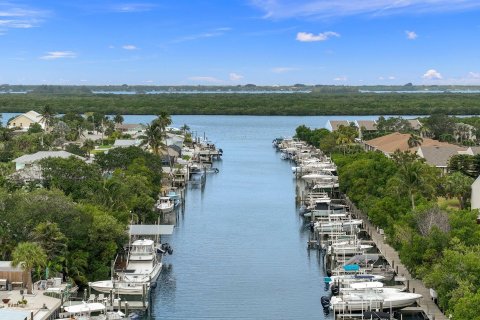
{"x":151,"y":229}
{"x":30,"y":158}
{"x":126,"y":143}
{"x":439,"y":155}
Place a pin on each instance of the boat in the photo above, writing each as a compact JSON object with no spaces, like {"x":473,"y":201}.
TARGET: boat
{"x":141,"y":268}
{"x":174,"y":196}
{"x":165,"y":204}
{"x":90,"y":311}
{"x":322,"y":175}
{"x":336,"y":226}
{"x":348,"y":248}
{"x":373,"y":299}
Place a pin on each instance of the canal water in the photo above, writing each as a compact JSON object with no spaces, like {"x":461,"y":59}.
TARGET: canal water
{"x":239,"y":246}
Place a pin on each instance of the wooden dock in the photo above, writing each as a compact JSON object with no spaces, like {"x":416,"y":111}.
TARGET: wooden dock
{"x":391,"y":255}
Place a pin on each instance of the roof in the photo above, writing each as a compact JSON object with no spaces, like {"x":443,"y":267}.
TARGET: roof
{"x":31,"y":115}
{"x":369,"y":125}
{"x":151,"y":229}
{"x":399,"y":141}
{"x":30,"y":158}
{"x":335,"y":124}
{"x":126,"y":143}
{"x":416,"y":125}
{"x":130,"y":126}
{"x":438,"y":156}
{"x":7,"y":266}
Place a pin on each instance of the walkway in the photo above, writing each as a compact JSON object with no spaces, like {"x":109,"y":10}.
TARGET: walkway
{"x":391,"y":255}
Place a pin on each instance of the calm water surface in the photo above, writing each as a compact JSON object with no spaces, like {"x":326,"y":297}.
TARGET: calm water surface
{"x":239,"y":247}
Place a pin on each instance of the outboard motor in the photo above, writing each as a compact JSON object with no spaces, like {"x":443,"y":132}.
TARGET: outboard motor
{"x":167,"y":248}
{"x":335,"y":290}
{"x":325,"y":301}
{"x":329,"y":273}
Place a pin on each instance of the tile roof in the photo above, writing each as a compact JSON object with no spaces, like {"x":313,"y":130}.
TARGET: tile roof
{"x":369,"y":125}
{"x":337,"y":123}
{"x":399,"y":141}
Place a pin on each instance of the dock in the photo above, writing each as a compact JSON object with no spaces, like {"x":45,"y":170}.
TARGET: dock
{"x":390,"y":254}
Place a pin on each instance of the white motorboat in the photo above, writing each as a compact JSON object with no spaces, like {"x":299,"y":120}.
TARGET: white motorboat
{"x":348,"y":248}
{"x":336,"y":226}
{"x":373,"y":299}
{"x":165,"y":204}
{"x":90,"y":311}
{"x":323,"y":175}
{"x":143,"y":263}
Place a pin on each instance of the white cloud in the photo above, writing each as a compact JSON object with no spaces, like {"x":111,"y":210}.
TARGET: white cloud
{"x":340,"y":78}
{"x":282,"y":9}
{"x":432,"y":74}
{"x":235,"y":76}
{"x":391,"y":78}
{"x":411,"y":35}
{"x":14,"y":16}
{"x":205,"y":79}
{"x":381,"y":78}
{"x":53,"y":55}
{"x":283,"y":69}
{"x":310,"y":37}
{"x":129,"y":47}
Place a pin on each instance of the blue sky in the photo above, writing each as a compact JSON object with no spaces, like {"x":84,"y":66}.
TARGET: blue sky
{"x":230,"y":42}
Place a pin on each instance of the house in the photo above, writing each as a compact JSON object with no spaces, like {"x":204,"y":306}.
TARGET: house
{"x":132,"y":129}
{"x":416,"y":125}
{"x":473,"y":151}
{"x":438,"y":156}
{"x":334,"y":125}
{"x":392,"y":142}
{"x":366,"y":125}
{"x":25,"y":120}
{"x":124,"y":143}
{"x":29,"y":159}
{"x":11,"y":275}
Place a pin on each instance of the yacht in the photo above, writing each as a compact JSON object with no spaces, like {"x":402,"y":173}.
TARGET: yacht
{"x":135,"y":273}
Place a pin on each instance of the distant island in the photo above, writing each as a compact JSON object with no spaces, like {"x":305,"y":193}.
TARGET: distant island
{"x":249,"y":99}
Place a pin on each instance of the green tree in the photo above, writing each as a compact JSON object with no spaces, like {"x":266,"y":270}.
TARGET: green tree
{"x":35,"y":128}
{"x":414,"y":141}
{"x":47,"y":116}
{"x":28,"y":255}
{"x":457,"y":185}
{"x":118,"y":119}
{"x":88,"y":146}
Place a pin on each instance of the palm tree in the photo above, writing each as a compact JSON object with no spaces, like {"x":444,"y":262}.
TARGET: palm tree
{"x":28,"y":255}
{"x":414,"y":141}
{"x":89,"y":145}
{"x":118,"y":119}
{"x":185,"y":128}
{"x":153,"y":137}
{"x":48,"y":116}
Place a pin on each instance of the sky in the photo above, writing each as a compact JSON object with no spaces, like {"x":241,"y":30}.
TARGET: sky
{"x":232,"y":42}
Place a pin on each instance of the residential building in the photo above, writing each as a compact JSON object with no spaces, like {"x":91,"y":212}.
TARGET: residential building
{"x":392,"y":142}
{"x":124,"y":143}
{"x":439,"y":156}
{"x":132,"y":129}
{"x":25,"y":120}
{"x":333,"y":125}
{"x":30,"y":159}
{"x":416,"y":125}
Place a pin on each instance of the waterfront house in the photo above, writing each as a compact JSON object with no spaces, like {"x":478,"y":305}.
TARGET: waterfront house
{"x":334,"y":125}
{"x":416,"y":125}
{"x":25,"y":120}
{"x":133,"y":129}
{"x":9,"y":275}
{"x":392,"y":142}
{"x":30,"y":159}
{"x":365,"y":126}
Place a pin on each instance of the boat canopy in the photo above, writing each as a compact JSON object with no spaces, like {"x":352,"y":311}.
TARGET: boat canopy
{"x":351,"y":267}
{"x":151,"y":229}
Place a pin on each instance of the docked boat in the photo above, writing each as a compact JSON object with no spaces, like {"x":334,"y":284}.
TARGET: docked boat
{"x":174,"y":197}
{"x":143,"y":263}
{"x":373,"y":299}
{"x":336,"y":226}
{"x":322,"y":175}
{"x":165,"y":204}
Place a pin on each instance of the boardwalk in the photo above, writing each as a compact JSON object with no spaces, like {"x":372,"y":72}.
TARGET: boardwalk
{"x":417,"y":286}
